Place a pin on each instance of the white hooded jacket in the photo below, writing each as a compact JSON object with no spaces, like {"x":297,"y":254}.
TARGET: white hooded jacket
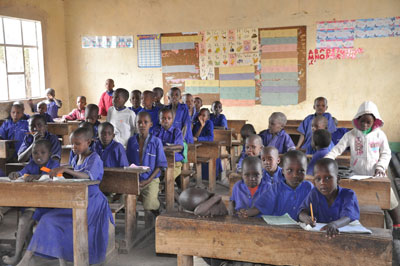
{"x":368,"y":152}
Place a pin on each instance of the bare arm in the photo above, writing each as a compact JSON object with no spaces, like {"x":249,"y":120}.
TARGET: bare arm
{"x":243,"y":213}
{"x":300,"y":142}
{"x":332,"y":227}
{"x":64,"y":169}
{"x":203,"y":207}
{"x":151,"y":177}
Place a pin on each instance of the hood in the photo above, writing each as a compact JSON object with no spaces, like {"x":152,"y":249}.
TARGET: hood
{"x":368,"y":107}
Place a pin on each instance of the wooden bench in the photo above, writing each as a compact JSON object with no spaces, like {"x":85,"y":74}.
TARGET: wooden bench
{"x":254,"y":241}
{"x":63,"y":129}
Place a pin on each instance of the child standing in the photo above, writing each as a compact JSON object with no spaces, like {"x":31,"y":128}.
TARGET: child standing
{"x":106,"y":99}
{"x":79,"y":112}
{"x":136,"y":97}
{"x":218,"y":119}
{"x":122,"y":118}
{"x":320,"y":142}
{"x":42,"y":110}
{"x":147,"y":102}
{"x":158,"y":94}
{"x":92,"y":116}
{"x":203,"y":130}
{"x":53,"y":104}
{"x":272,"y":172}
{"x":189,"y":101}
{"x":319,"y":122}
{"x":331,"y":204}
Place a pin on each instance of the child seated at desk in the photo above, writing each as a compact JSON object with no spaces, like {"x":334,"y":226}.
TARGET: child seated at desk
{"x":319,"y":122}
{"x":145,"y":149}
{"x":253,"y":147}
{"x":148,"y":107}
{"x":79,"y":112}
{"x":158,"y":95}
{"x":287,"y":196}
{"x":198,"y":103}
{"x":106,"y":99}
{"x":331,"y":204}
{"x":135,"y":99}
{"x":218,"y":119}
{"x":92,"y":116}
{"x":339,"y":133}
{"x":320,"y":142}
{"x":272,"y":172}
{"x":275,"y":135}
{"x":25,"y":116}
{"x":245,"y":132}
{"x":41,"y":153}
{"x":53,"y":104}
{"x":38,"y":130}
{"x":189,"y":101}
{"x":90,"y":127}
{"x":203,"y":130}
{"x":42,"y":110}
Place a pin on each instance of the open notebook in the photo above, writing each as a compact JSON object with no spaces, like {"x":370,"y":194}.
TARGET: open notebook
{"x":355,"y":227}
{"x":43,"y":178}
{"x":279,"y":220}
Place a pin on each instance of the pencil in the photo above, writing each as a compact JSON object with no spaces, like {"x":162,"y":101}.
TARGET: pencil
{"x":312,"y":213}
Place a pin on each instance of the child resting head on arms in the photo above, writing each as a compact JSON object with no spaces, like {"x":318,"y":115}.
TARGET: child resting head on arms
{"x":272,"y":173}
{"x":201,"y":202}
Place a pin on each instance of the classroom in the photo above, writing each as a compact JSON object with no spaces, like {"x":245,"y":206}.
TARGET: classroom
{"x":229,"y":73}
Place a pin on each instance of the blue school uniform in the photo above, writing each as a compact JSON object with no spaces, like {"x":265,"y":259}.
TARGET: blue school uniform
{"x":219,"y":121}
{"x":243,"y":155}
{"x":33,"y":169}
{"x":310,"y":150}
{"x":193,"y":117}
{"x":280,"y":199}
{"x":338,"y":134}
{"x":136,"y":110}
{"x":207,"y":133}
{"x":113,"y":155}
{"x":154,"y":116}
{"x":305,"y":128}
{"x":182,"y":119}
{"x":242,"y":197}
{"x":282,"y":141}
{"x":316,"y":156}
{"x":55,"y":151}
{"x":171,"y":136}
{"x":96,"y":129}
{"x":345,"y":205}
{"x":275,"y":178}
{"x":72,"y":154}
{"x":14,"y":131}
{"x":52,"y":109}
{"x":53,"y":236}
{"x":48,"y":118}
{"x":153,"y":154}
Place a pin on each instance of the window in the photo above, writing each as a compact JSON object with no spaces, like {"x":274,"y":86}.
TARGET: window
{"x":21,"y":59}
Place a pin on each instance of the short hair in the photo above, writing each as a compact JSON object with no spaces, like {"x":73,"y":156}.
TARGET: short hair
{"x":136,"y":91}
{"x":44,"y":142}
{"x":40,"y":104}
{"x":185,"y":96}
{"x":278,"y":116}
{"x":320,"y":99}
{"x":294,"y":155}
{"x":335,"y":121}
{"x":205,"y":109}
{"x":90,"y":107}
{"x":82,"y":97}
{"x":322,"y":138}
{"x":106,"y":125}
{"x":215,"y":103}
{"x":198,"y":98}
{"x":327,"y":162}
{"x":83,"y":131}
{"x":144,"y":113}
{"x":51,"y":91}
{"x":123,"y":92}
{"x":174,"y":89}
{"x":18,"y":106}
{"x":252,"y":160}
{"x":267,"y":149}
{"x":247,"y":130}
{"x":38,"y":117}
{"x":148,"y":92}
{"x":320,"y":118}
{"x":19,"y":103}
{"x":110,"y":80}
{"x":256,"y":138}
{"x":158,"y":89}
{"x":165,"y":110}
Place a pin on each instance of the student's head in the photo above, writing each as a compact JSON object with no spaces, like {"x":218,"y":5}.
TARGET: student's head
{"x":366,"y":121}
{"x":166,"y":118}
{"x":81,"y":102}
{"x":50,"y":93}
{"x":41,"y":107}
{"x":277,"y":121}
{"x":20,"y":104}
{"x":106,"y":133}
{"x":81,"y":139}
{"x":136,"y":97}
{"x":143,"y":123}
{"x":188,"y":100}
{"x":294,"y":165}
{"x":174,"y":95}
{"x":321,"y":138}
{"x":120,"y":97}
{"x":190,"y":198}
{"x":319,"y":122}
{"x":198,"y":103}
{"x":216,"y":107}
{"x":41,"y":151}
{"x":109,"y":84}
{"x":37,"y":124}
{"x":147,"y":99}
{"x":16,"y":113}
{"x":91,"y":113}
{"x":247,"y":130}
{"x":252,"y":171}
{"x":335,"y":121}
{"x":89,"y":126}
{"x":326,"y":176}
{"x":270,"y":158}
{"x":320,"y":105}
{"x":253,"y":145}
{"x":158,"y":93}
{"x":204,"y":114}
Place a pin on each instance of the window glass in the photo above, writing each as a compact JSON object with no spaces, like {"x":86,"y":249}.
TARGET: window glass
{"x":12,"y":31}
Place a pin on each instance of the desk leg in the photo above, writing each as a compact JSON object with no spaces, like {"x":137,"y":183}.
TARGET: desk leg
{"x":130,"y":223}
{"x":184,"y":260}
{"x":233,"y":159}
{"x":212,"y":179}
{"x":80,"y":231}
{"x":170,"y":183}
{"x":199,"y":179}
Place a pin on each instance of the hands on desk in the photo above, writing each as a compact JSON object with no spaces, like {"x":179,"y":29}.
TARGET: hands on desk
{"x":379,"y":173}
{"x":13,"y":175}
{"x":331,"y":229}
{"x":55,"y":171}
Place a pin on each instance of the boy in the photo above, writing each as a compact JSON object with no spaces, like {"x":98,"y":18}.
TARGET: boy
{"x":42,"y":110}
{"x":147,"y":102}
{"x":331,"y":204}
{"x":189,"y":101}
{"x":253,"y":147}
{"x":136,"y":97}
{"x":25,"y":116}
{"x":53,"y":104}
{"x":122,"y":118}
{"x":112,"y":153}
{"x":198,"y":103}
{"x":91,"y":116}
{"x":216,"y":117}
{"x":79,"y":112}
{"x":319,"y":122}
{"x":339,"y":133}
{"x":320,"y":107}
{"x":275,"y":135}
{"x":287,"y":196}
{"x":106,"y":98}
{"x":320,"y":142}
{"x":158,"y":94}
{"x":272,"y":173}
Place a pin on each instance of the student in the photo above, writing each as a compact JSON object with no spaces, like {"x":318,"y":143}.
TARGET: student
{"x":122,"y":118}
{"x":203,"y":130}
{"x":15,"y":128}
{"x":112,"y":153}
{"x":42,"y":110}
{"x":201,"y":202}
{"x":216,"y":117}
{"x":339,"y":133}
{"x":181,"y":114}
{"x":38,"y":130}
{"x":53,"y":104}
{"x":25,"y":116}
{"x":275,"y":135}
{"x":53,"y":236}
{"x":245,"y":132}
{"x":320,"y":107}
{"x":284,"y":197}
{"x":331,"y":204}
{"x":170,"y":135}
{"x":147,"y":102}
{"x":198,"y":103}
{"x":79,"y":112}
{"x":92,"y":116}
{"x":253,"y":147}
{"x":41,"y":152}
{"x":106,"y":99}
{"x":369,"y":149}
{"x":272,"y":172}
{"x":145,"y":149}
{"x":90,"y":127}
{"x":158,"y":93}
{"x":319,"y":122}
{"x":189,"y":101}
{"x":320,"y":142}
{"x":136,"y":97}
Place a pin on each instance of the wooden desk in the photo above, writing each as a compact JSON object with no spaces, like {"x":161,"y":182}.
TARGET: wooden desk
{"x":237,"y":126}
{"x":63,"y":129}
{"x":192,"y":158}
{"x":227,"y":137}
{"x":210,"y":149}
{"x":169,"y":175}
{"x":7,"y":148}
{"x":292,"y":125}
{"x":73,"y":195}
{"x":254,"y":241}
{"x":342,"y":160}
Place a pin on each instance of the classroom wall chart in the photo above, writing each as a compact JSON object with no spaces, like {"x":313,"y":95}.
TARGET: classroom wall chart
{"x":107,"y":41}
{"x":149,"y":50}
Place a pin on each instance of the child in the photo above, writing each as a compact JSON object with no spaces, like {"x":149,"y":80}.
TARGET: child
{"x":25,"y":116}
{"x":147,"y":102}
{"x":320,"y":142}
{"x":245,"y":132}
{"x":189,"y":101}
{"x":275,"y":135}
{"x":122,"y":118}
{"x":136,"y":97}
{"x":53,"y":104}
{"x":181,"y":114}
{"x":331,"y":204}
{"x":272,"y":173}
{"x":92,"y":116}
{"x":41,"y":152}
{"x":339,"y":133}
{"x":369,"y":149}
{"x":42,"y":110}
{"x":145,"y":149}
{"x":198,"y":103}
{"x":319,"y":122}
{"x":79,"y":112}
{"x":15,"y":128}
{"x":53,"y":236}
{"x":203,"y":130}
{"x":320,"y":107}
{"x":287,"y":196}
{"x":112,"y":153}
{"x":253,"y":147}
{"x":38,"y":130}
{"x":158,"y":93}
{"x":201,"y":202}
{"x":106,"y":99}
{"x":218,"y":119}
